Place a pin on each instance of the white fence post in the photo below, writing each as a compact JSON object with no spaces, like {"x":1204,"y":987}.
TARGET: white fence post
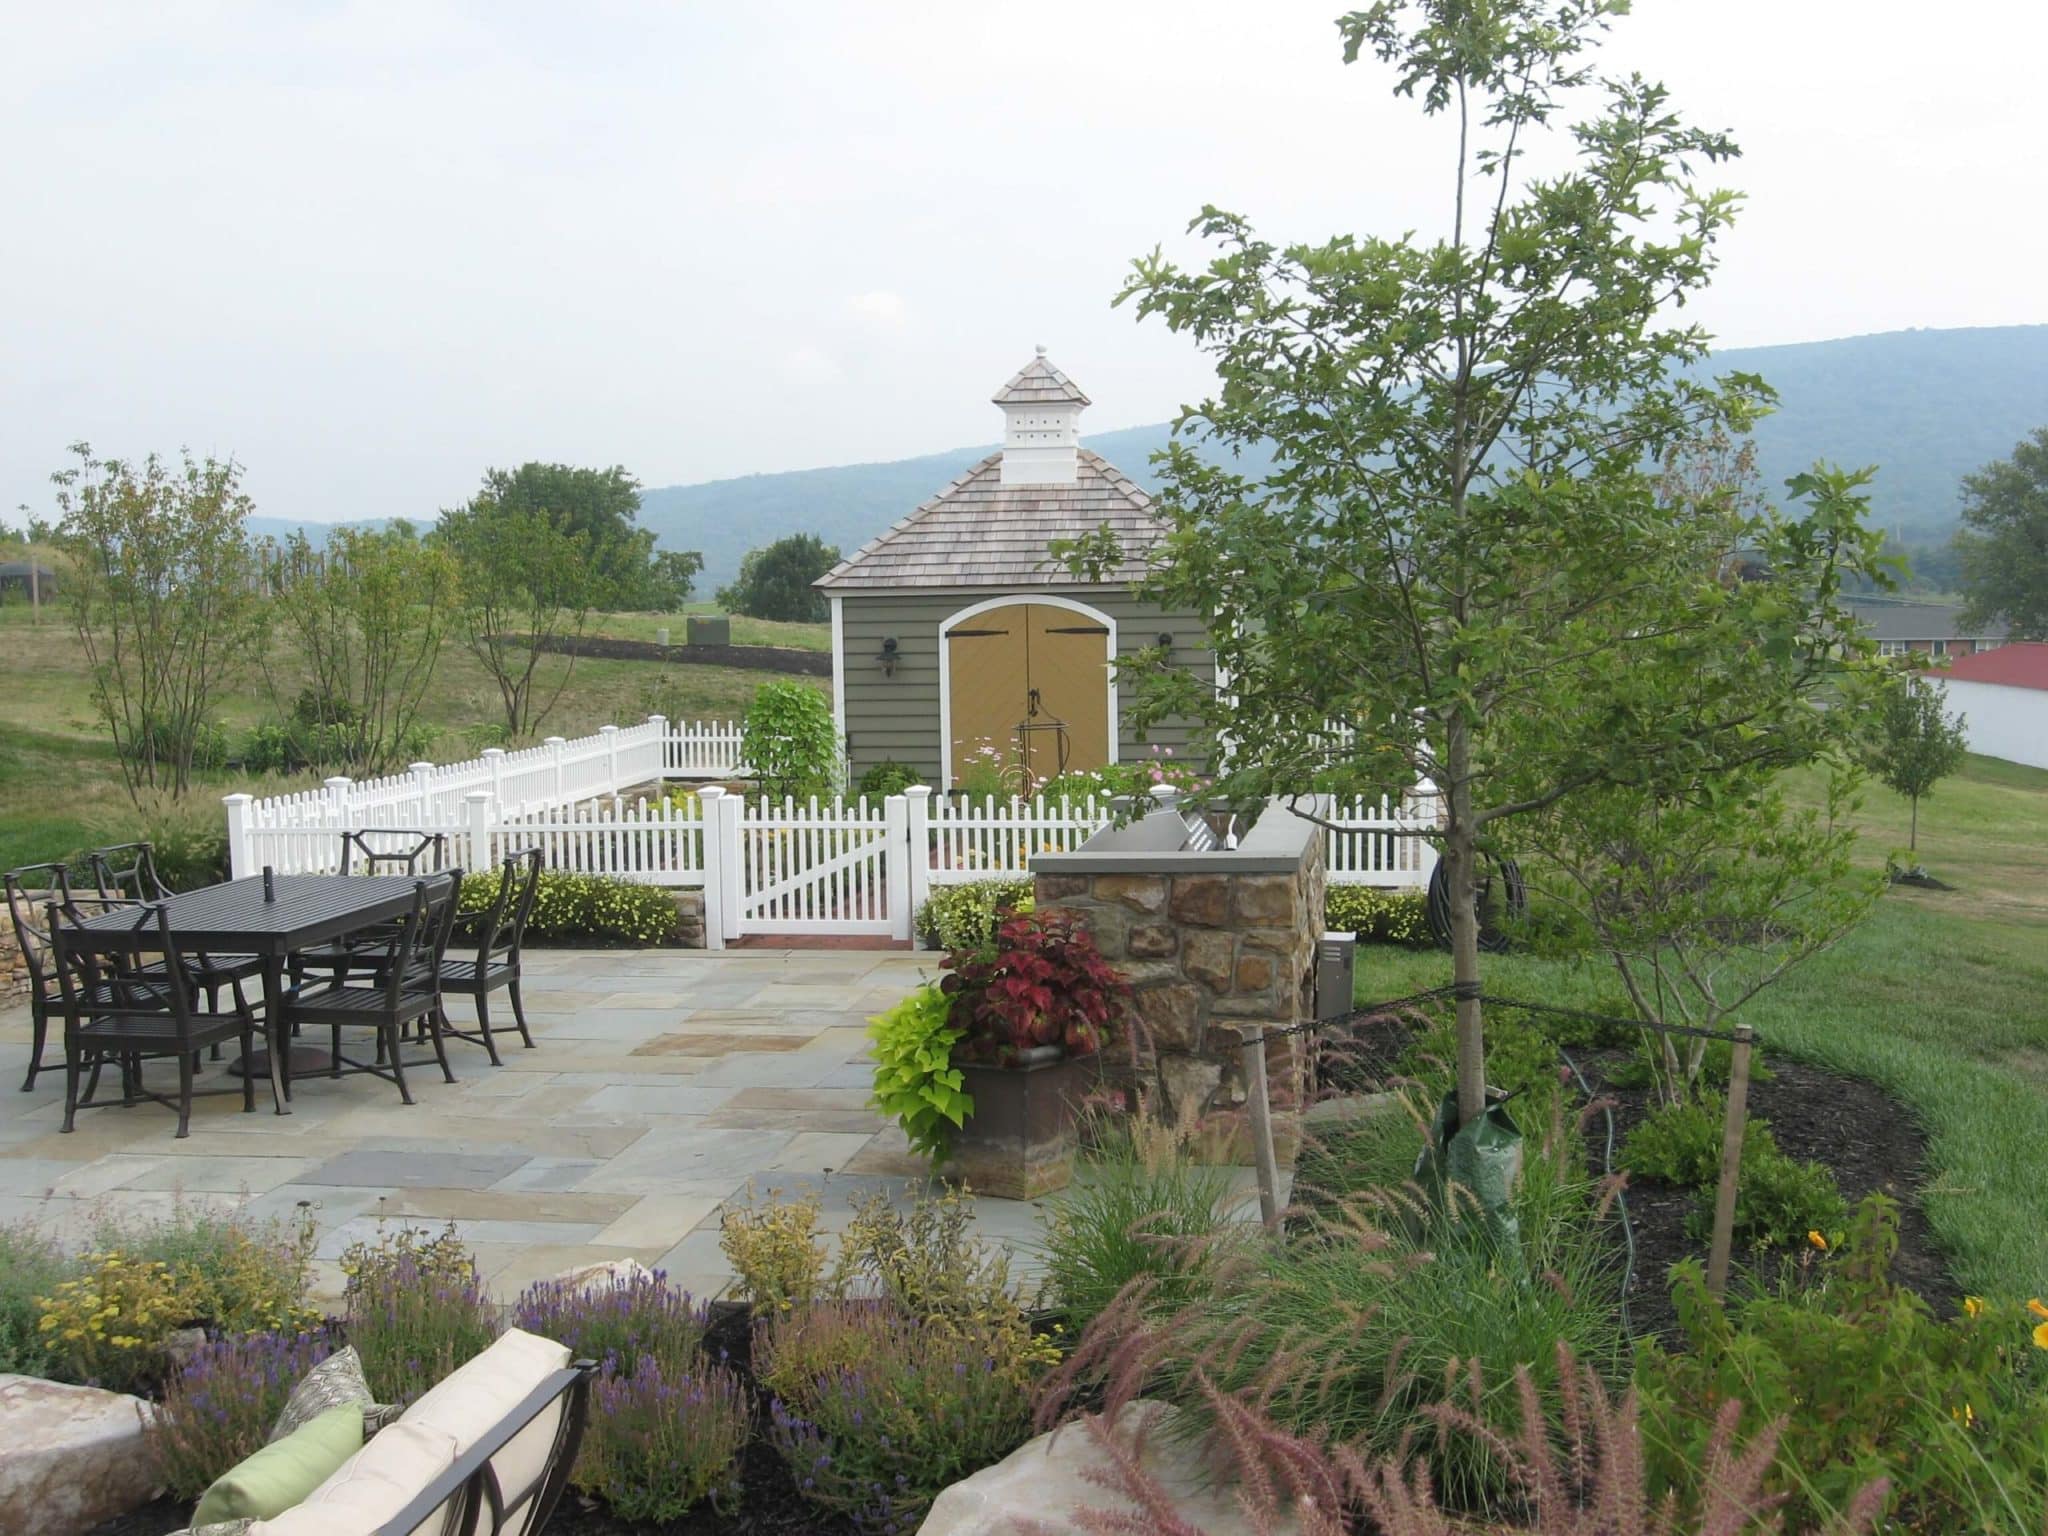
{"x":476,"y":822}
{"x":337,"y":800}
{"x":710,"y":823}
{"x":238,"y":834}
{"x":919,"y":840}
{"x":610,"y":733}
{"x":423,"y":786}
{"x":494,"y":765}
{"x":555,"y":744}
{"x":659,"y":725}
{"x":898,"y":864}
{"x":730,"y":860}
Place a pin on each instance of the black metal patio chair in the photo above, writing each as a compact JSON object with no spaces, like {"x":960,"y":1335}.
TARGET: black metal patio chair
{"x":29,"y":891}
{"x":401,"y":993}
{"x":128,"y":871}
{"x":372,"y":851}
{"x":500,"y":940}
{"x":122,"y":1008}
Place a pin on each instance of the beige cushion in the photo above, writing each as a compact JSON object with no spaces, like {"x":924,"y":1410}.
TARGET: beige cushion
{"x":478,"y":1396}
{"x":371,"y":1486}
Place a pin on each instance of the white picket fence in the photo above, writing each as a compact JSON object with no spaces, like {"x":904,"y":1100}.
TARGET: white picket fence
{"x":834,"y":867}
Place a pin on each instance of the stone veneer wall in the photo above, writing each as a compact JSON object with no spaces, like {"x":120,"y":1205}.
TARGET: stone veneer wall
{"x":13,"y":968}
{"x":1207,"y":951}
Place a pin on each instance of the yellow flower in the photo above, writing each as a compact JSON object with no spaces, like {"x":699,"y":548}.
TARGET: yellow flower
{"x":2041,"y":1336}
{"x":1965,"y":1415}
{"x":1973,"y":1306}
{"x":2039,"y":1308}
{"x":1818,"y":1241}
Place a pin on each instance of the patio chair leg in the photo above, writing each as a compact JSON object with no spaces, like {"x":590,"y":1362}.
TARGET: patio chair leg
{"x":35,"y":1050}
{"x":184,"y":1094}
{"x":71,"y":1084}
{"x":519,"y":1012}
{"x":334,"y":1051}
{"x":248,"y":1077}
{"x":483,"y":1022}
{"x":431,"y":1023}
{"x":397,"y":1063}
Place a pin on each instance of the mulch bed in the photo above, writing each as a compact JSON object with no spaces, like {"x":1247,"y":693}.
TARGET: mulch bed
{"x":769,"y":1504}
{"x":1867,"y":1139}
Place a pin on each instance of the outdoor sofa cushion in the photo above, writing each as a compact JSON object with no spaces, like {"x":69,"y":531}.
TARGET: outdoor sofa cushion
{"x":371,"y":1487}
{"x":480,"y":1395}
{"x":285,"y":1471}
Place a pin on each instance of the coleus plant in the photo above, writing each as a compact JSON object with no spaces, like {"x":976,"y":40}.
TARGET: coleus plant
{"x":1041,"y":982}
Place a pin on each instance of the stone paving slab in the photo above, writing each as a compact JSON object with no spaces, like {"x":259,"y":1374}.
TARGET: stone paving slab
{"x":663,"y":1085}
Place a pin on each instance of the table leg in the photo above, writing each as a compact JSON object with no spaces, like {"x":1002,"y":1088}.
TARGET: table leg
{"x":273,"y":1026}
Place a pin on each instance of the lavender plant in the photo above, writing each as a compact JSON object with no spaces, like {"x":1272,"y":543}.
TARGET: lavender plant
{"x":661,"y":1438}
{"x":416,"y":1310}
{"x":218,"y":1409}
{"x":875,"y":1412}
{"x":618,"y":1323}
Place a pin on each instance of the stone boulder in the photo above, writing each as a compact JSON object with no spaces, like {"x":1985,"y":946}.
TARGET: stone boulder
{"x":70,"y":1457}
{"x":611,"y":1272}
{"x":1038,"y":1488}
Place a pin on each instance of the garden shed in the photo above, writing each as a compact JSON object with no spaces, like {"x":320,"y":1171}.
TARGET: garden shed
{"x":954,"y":635}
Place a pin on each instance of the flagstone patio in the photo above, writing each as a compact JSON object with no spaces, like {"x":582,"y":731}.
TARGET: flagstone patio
{"x":662,"y":1083}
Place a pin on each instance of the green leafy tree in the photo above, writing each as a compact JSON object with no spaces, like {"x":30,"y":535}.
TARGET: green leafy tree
{"x":789,"y":742}
{"x":1917,"y":743}
{"x":1458,"y":553}
{"x":165,"y":597}
{"x":367,"y":615}
{"x":775,"y":580}
{"x":1700,"y":899}
{"x":2003,"y":543}
{"x":602,"y":507}
{"x":525,"y":588}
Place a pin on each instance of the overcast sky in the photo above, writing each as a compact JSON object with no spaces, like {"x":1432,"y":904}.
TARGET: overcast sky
{"x":369,"y":249}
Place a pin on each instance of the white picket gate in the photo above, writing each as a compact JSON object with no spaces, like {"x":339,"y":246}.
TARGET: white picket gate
{"x":835,"y":868}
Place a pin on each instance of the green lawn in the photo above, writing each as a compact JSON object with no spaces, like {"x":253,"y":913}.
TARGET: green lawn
{"x":60,"y":787}
{"x":1941,"y":998}
{"x":745,"y":631}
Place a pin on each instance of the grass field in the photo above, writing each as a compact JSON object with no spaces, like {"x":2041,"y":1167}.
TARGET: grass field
{"x":60,"y":786}
{"x":1941,"y":998}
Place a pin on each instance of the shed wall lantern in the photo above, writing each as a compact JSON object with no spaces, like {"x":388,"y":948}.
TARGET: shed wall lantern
{"x":888,"y":657}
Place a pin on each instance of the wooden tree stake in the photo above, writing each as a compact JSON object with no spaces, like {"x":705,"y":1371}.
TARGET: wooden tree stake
{"x":1731,"y":1162}
{"x":1261,"y":1106}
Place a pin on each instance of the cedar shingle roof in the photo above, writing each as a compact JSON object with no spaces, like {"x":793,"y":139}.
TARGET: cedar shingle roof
{"x":1039,"y":383}
{"x":979,"y":532}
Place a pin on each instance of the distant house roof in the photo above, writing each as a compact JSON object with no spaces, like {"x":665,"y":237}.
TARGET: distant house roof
{"x":2023,"y":664}
{"x":1038,"y":382}
{"x":979,"y":532}
{"x":17,"y":570}
{"x":1893,"y":619}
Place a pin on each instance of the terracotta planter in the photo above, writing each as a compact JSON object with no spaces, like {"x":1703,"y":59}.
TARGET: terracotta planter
{"x":1019,"y":1142}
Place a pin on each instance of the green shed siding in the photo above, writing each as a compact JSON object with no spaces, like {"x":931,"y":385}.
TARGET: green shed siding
{"x":898,"y":717}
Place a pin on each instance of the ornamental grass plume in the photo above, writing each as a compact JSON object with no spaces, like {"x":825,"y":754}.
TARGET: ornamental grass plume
{"x":1585,"y":1478}
{"x":218,"y":1408}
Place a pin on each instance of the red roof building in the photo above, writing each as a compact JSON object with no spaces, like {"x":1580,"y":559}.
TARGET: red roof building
{"x":2020,"y":664}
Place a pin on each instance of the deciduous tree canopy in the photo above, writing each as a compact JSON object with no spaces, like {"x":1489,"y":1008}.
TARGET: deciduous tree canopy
{"x":2004,"y":542}
{"x":775,"y":581}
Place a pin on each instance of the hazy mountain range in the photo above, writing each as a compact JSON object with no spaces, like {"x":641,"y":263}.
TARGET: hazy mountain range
{"x":1925,"y":406}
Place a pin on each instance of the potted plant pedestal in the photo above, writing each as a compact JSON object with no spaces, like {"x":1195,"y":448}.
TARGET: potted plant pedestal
{"x":1020,"y":1139}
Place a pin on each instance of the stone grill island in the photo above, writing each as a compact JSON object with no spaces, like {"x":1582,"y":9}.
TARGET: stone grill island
{"x":1217,"y":933}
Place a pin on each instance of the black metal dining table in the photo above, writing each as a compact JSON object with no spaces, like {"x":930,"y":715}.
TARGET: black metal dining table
{"x":241,"y":918}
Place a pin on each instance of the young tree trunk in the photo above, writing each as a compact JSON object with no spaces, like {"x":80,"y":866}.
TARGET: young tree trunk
{"x":1913,"y":829}
{"x":1460,"y":856}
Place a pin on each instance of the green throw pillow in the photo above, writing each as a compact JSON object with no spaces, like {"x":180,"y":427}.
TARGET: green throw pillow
{"x":284,"y":1472}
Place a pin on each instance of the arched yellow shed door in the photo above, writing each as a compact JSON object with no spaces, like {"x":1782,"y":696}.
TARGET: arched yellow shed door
{"x":1028,"y":686}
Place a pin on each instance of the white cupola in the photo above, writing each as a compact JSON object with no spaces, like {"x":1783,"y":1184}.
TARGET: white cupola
{"x":1041,"y":425}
